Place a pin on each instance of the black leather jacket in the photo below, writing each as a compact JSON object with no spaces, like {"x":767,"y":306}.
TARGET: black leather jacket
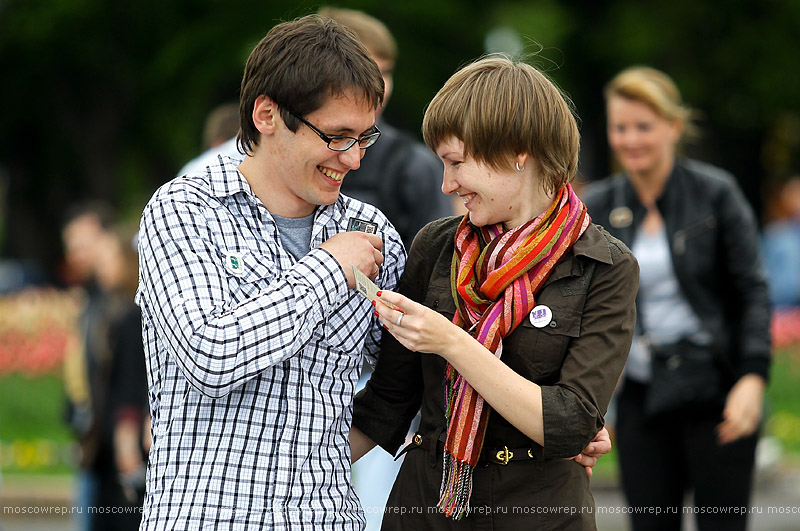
{"x":714,"y":246}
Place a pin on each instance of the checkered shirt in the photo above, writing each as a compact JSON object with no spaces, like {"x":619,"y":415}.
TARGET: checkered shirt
{"x":252,"y":359}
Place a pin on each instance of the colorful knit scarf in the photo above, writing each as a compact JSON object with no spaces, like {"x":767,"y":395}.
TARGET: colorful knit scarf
{"x":494,"y":278}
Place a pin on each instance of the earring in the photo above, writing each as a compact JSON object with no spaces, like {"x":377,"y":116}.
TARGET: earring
{"x":518,"y":168}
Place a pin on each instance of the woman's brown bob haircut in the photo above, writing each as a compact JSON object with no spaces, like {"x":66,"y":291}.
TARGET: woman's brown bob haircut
{"x":300,"y":64}
{"x":501,"y":108}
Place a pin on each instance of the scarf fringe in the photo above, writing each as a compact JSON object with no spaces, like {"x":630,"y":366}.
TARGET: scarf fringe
{"x":456,"y":488}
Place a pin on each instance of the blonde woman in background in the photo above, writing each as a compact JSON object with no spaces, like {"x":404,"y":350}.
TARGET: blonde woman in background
{"x":695,"y":377}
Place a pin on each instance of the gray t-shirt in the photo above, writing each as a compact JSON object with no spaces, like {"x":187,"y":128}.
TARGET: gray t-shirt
{"x":295,"y":234}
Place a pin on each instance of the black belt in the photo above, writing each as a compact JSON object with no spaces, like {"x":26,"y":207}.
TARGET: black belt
{"x":499,"y":455}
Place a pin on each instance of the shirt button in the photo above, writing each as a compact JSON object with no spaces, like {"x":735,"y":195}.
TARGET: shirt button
{"x":553,"y":324}
{"x":436,"y":303}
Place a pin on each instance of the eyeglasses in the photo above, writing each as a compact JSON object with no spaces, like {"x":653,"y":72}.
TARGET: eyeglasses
{"x":339,"y":142}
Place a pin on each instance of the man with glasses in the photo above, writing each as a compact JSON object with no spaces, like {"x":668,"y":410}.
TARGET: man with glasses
{"x":254,"y":336}
{"x":400,"y":176}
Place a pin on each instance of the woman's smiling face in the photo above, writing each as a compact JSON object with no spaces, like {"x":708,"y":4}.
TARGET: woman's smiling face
{"x":642,"y":140}
{"x":490,"y":195}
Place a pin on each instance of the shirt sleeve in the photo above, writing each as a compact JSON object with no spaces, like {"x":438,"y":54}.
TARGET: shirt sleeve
{"x":184,"y":289}
{"x":573,"y":408}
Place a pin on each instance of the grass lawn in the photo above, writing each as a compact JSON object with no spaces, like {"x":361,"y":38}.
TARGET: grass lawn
{"x":33,"y":435}
{"x":783,"y":400}
{"x":35,"y":439}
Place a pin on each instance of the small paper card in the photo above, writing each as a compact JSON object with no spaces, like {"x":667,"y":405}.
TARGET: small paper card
{"x":367,"y":288}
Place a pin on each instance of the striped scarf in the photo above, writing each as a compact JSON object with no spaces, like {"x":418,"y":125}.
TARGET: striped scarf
{"x":493,"y":285}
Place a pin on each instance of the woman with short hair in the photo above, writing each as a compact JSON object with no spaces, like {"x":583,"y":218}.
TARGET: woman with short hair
{"x":511,"y":324}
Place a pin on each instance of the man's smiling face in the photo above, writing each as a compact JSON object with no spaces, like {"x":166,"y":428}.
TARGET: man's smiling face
{"x":312,"y":174}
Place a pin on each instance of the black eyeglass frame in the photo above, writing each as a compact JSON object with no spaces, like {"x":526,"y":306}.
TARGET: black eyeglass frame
{"x":371,"y":138}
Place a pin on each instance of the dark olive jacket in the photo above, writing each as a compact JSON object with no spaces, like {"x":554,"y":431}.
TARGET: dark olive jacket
{"x":577,"y":359}
{"x":715,"y":253}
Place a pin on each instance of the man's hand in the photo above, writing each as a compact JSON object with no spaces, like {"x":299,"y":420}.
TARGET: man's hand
{"x":356,"y":249}
{"x":597,"y":448}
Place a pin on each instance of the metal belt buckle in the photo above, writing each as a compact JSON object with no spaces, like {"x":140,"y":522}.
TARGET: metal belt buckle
{"x":504,"y":456}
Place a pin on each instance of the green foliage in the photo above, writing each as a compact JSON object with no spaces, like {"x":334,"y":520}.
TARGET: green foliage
{"x":783,"y":400}
{"x":33,"y":434}
{"x":107,"y":99}
{"x":32,"y":408}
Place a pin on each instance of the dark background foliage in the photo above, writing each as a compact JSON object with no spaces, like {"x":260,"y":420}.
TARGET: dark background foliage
{"x":106,"y":99}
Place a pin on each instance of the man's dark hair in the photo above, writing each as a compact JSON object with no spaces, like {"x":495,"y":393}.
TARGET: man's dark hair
{"x":300,"y":64}
{"x":101,"y":210}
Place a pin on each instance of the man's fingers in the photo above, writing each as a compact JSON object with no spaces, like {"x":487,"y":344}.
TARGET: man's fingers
{"x":375,"y":239}
{"x":378,"y":257}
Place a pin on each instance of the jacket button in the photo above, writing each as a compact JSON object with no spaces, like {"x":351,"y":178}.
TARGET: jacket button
{"x":553,"y":324}
{"x":436,"y":303}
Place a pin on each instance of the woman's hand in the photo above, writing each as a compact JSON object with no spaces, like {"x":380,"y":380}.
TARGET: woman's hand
{"x":423,"y":330}
{"x":742,"y":412}
{"x":417,"y":327}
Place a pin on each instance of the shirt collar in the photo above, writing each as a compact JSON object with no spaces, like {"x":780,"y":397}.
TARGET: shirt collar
{"x":593,"y":245}
{"x":225,"y":179}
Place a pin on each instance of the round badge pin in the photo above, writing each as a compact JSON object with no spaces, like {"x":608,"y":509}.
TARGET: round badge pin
{"x":541,"y":316}
{"x":620,"y":217}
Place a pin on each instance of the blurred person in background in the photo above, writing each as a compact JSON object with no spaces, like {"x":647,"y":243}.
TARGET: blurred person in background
{"x":85,"y":225}
{"x":402,"y":178}
{"x":118,"y":385}
{"x":781,"y":245}
{"x":219,"y":137}
{"x":512,"y":324}
{"x":695,"y":377}
{"x":105,"y":379}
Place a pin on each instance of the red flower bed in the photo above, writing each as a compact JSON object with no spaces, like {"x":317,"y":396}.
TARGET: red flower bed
{"x":37,"y":326}
{"x":786,"y":328}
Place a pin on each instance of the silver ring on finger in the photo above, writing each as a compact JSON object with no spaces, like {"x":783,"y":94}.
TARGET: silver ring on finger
{"x":399,"y":319}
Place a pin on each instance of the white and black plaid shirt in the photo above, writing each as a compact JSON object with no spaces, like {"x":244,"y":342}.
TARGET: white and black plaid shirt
{"x":252,"y":359}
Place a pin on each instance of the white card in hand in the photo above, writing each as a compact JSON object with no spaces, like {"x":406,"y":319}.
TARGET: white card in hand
{"x":366,"y":287}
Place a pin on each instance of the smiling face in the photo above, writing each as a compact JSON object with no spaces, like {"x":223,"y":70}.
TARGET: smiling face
{"x":299,"y":171}
{"x":642,"y":140}
{"x":490,"y":195}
